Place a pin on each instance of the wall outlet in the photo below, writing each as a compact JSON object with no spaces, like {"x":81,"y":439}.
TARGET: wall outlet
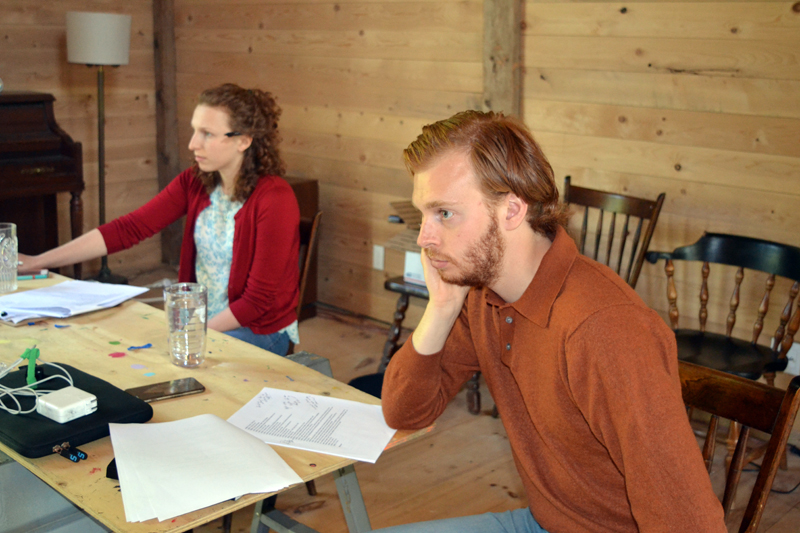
{"x":378,"y":254}
{"x":794,"y":360}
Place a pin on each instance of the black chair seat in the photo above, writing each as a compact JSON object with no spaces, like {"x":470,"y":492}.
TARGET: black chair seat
{"x":371,"y":384}
{"x":731,"y":355}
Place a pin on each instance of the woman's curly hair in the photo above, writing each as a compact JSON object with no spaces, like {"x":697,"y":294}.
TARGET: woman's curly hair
{"x":255,"y":113}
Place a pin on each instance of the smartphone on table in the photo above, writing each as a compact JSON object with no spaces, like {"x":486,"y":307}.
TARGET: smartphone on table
{"x":167,"y":389}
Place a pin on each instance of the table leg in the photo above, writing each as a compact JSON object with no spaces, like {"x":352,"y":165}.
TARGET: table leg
{"x":394,"y":332}
{"x":355,"y":512}
{"x":76,"y":221}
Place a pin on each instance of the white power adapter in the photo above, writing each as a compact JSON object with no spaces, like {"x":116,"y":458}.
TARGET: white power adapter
{"x":66,"y":404}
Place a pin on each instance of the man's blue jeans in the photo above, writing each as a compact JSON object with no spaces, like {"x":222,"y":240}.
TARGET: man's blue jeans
{"x":517,"y":521}
{"x":276,"y":342}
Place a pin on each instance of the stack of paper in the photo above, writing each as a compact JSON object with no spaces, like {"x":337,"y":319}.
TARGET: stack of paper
{"x":173,"y":468}
{"x":317,"y":423}
{"x":64,"y":299}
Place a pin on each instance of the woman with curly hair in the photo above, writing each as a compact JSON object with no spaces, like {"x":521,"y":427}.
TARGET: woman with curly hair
{"x":241,"y":236}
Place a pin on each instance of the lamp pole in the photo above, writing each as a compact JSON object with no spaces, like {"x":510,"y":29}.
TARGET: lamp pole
{"x":99,"y":40}
{"x":105,"y":275}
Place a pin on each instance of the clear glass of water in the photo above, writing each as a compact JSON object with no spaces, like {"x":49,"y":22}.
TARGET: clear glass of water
{"x":185,"y":305}
{"x":8,"y":257}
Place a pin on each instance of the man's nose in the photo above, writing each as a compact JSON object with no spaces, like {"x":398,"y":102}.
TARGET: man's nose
{"x":427,"y":235}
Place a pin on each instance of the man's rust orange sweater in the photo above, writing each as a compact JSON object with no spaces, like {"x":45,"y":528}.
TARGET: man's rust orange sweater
{"x":585,"y":377}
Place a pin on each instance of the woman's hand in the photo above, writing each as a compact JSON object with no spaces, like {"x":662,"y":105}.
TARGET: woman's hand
{"x":29,"y":264}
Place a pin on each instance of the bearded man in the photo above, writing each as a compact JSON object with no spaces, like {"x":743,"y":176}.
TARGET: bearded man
{"x":584,"y":374}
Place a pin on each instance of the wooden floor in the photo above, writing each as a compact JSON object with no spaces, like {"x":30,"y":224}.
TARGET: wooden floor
{"x":462,"y":467}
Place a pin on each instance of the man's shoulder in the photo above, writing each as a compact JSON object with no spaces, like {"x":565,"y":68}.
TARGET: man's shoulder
{"x":591,"y":287}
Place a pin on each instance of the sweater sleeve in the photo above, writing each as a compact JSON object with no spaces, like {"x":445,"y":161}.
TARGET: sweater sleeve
{"x":623,"y":372}
{"x":269,"y":279}
{"x":417,"y":388}
{"x":165,"y":208}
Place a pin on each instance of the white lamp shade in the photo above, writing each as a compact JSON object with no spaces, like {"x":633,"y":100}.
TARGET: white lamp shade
{"x":98,"y":38}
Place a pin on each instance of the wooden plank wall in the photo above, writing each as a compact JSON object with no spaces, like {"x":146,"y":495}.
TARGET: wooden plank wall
{"x":33,"y":57}
{"x":357,"y":80}
{"x":700,"y":100}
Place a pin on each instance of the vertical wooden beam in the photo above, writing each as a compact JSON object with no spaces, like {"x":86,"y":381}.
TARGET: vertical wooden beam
{"x":166,"y":115}
{"x":502,"y":56}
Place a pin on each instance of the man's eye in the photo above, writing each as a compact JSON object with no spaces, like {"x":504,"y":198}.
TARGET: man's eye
{"x":446,"y":214}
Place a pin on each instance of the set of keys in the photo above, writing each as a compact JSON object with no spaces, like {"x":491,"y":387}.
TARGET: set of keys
{"x":73,"y":454}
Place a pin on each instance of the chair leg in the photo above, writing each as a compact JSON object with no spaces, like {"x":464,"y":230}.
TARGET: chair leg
{"x":227,"y":521}
{"x":733,"y":437}
{"x":473,"y":394}
{"x":390,"y":347}
{"x":311,"y":487}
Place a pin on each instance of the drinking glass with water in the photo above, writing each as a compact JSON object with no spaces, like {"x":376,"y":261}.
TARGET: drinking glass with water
{"x":8,"y":257}
{"x":185,"y":305}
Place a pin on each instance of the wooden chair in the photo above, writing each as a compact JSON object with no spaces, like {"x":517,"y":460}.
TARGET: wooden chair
{"x":754,"y":406}
{"x":309,"y":235}
{"x":743,"y":357}
{"x":627,"y":265}
{"x":727,"y":353}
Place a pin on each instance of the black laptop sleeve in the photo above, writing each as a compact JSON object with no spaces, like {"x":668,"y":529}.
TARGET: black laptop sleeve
{"x":33,"y":435}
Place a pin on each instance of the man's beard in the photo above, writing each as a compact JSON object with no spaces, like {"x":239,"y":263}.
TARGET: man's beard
{"x":482,"y":260}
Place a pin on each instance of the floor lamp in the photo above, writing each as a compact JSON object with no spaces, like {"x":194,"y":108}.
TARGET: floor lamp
{"x":99,"y":40}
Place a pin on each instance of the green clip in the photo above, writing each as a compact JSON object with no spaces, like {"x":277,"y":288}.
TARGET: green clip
{"x":31,"y":354}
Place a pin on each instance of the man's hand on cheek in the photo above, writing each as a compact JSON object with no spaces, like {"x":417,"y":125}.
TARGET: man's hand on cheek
{"x":441,"y":293}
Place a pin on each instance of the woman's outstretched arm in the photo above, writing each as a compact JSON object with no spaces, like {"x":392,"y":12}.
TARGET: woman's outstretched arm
{"x":86,"y":247}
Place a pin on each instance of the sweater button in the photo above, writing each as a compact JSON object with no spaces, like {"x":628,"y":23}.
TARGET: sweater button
{"x":508,"y":346}
{"x":509,"y":320}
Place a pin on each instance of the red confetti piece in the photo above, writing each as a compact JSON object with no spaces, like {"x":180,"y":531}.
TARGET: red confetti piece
{"x":117,"y":354}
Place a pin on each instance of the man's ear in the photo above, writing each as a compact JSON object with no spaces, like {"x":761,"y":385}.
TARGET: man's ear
{"x":515,"y":211}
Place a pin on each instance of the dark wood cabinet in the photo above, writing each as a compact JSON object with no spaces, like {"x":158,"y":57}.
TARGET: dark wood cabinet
{"x":37,"y":160}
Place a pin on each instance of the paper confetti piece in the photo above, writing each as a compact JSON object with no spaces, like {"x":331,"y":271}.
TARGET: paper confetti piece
{"x":142,"y":347}
{"x":148,"y":374}
{"x":117,"y":354}
{"x":137,"y":366}
{"x":60,"y":326}
{"x":31,"y":323}
{"x":289,"y":378}
{"x":114,"y":342}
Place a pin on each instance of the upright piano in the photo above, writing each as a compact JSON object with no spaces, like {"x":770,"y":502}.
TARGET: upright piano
{"x":37,"y":160}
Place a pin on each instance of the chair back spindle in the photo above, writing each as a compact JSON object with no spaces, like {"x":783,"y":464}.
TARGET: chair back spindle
{"x":786,"y":314}
{"x":734,"y":305}
{"x":704,"y":297}
{"x":763,"y":308}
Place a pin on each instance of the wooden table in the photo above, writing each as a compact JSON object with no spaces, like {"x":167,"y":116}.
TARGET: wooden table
{"x":233,"y":373}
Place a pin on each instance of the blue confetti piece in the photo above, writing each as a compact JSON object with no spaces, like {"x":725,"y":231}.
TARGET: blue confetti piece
{"x":59,"y":326}
{"x":148,"y":345}
{"x":290,"y":379}
{"x":149,"y":374}
{"x":31,"y":323}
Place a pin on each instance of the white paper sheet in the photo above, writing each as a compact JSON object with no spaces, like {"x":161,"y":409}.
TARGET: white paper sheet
{"x":169,"y":469}
{"x":318,"y":423}
{"x":64,"y":299}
